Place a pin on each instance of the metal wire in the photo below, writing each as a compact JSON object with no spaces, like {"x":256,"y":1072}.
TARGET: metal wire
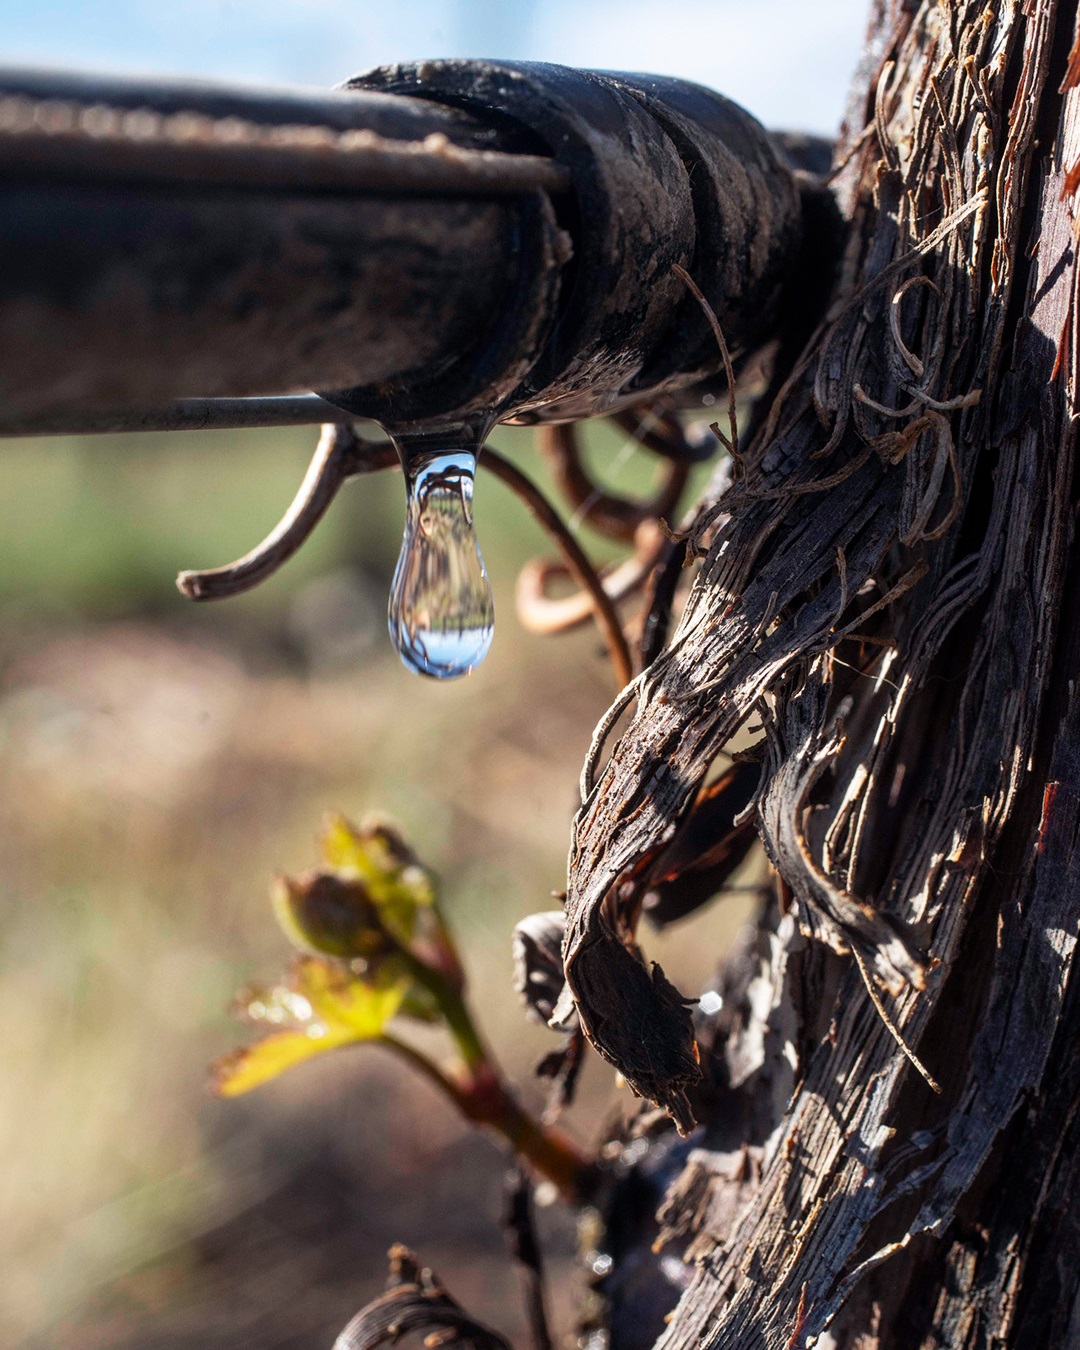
{"x":183,"y":414}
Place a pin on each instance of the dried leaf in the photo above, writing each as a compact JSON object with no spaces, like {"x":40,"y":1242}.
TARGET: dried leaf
{"x":562,"y":1069}
{"x":538,"y":971}
{"x":706,"y":849}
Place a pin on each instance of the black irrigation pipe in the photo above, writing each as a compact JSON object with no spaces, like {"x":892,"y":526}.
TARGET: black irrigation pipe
{"x":443,"y":242}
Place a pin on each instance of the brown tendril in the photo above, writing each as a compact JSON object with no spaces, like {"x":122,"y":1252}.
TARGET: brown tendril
{"x":576,"y":561}
{"x":340,"y":454}
{"x":546,"y":615}
{"x":731,"y":441}
{"x":616,"y":517}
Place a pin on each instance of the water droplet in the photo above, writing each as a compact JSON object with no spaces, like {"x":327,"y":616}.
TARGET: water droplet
{"x":710,"y":1002}
{"x":600,"y":1263}
{"x":441,"y":615}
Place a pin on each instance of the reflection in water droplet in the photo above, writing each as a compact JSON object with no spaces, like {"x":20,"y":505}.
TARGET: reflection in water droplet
{"x":442,"y":615}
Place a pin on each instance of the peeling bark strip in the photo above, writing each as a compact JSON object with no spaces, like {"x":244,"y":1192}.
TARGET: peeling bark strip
{"x":890,"y":589}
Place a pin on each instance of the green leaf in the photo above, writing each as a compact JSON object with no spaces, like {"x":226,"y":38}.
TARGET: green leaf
{"x":347,"y":1002}
{"x":253,"y":1065}
{"x":419,"y":1003}
{"x":320,"y":1007}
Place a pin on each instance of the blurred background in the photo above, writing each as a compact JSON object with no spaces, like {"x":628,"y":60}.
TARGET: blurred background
{"x":789,"y":64}
{"x":159,"y":761}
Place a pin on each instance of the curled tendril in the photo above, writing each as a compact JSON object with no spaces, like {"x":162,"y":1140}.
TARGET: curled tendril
{"x":616,"y":517}
{"x":546,"y":615}
{"x":643,"y":522}
{"x":340,"y":454}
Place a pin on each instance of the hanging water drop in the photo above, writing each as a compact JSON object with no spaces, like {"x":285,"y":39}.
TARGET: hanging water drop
{"x":441,"y":613}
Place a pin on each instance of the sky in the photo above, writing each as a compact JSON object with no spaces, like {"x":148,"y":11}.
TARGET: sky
{"x":787,"y":61}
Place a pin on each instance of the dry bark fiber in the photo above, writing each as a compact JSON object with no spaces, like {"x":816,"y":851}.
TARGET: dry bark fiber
{"x":890,"y":590}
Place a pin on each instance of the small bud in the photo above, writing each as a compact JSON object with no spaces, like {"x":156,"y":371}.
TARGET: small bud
{"x":321,"y":913}
{"x":377,"y":856}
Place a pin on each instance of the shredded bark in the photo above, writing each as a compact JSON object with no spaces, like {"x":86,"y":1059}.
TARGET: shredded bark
{"x":882,"y":590}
